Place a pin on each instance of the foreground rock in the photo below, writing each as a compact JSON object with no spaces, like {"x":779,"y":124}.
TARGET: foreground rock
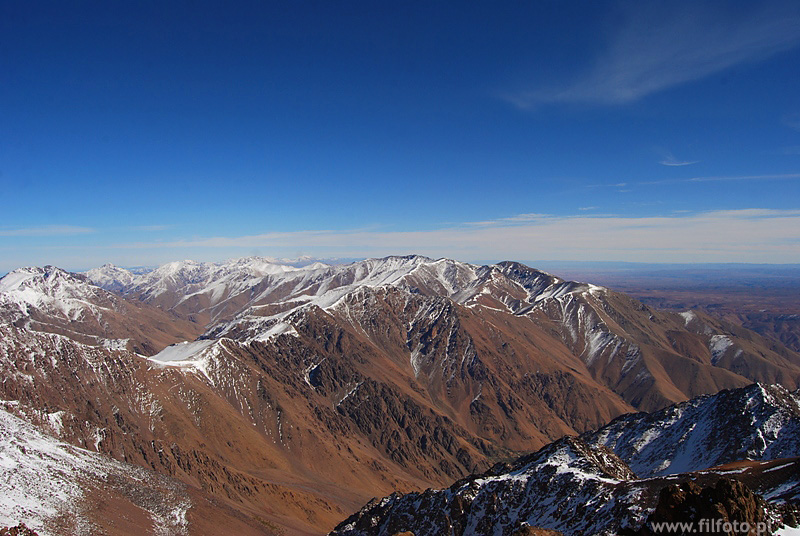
{"x":576,"y":489}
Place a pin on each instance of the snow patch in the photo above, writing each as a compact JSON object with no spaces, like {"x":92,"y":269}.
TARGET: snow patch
{"x":182,"y":352}
{"x":43,"y":483}
{"x":718,"y":345}
{"x":278,"y":328}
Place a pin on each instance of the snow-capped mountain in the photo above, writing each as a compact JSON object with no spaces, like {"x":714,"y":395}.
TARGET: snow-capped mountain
{"x":255,"y":281}
{"x":298,"y":391}
{"x":54,"y":292}
{"x":652,"y":358}
{"x":111,"y":277}
{"x":52,"y":300}
{"x":753,"y":423}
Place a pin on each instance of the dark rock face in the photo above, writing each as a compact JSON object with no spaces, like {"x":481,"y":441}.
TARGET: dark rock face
{"x":576,"y":489}
{"x":727,"y":504}
{"x":561,"y":487}
{"x":19,"y":530}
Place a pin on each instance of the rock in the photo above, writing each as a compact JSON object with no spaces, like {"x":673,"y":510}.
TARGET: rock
{"x":19,"y":530}
{"x":717,"y":505}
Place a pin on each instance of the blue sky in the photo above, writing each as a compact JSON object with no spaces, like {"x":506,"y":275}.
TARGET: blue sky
{"x":138,"y":133}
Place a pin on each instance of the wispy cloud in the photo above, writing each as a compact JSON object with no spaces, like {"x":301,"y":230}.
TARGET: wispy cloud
{"x":621,"y":186}
{"x":726,"y":178}
{"x":611,"y":185}
{"x":519,"y":218}
{"x":659,"y":46}
{"x":670,"y":160}
{"x":747,"y":235}
{"x":49,"y":230}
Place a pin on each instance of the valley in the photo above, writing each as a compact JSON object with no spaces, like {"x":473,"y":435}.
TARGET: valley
{"x":286,"y":397}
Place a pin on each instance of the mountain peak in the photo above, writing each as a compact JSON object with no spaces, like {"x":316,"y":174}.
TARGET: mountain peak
{"x":760,"y":422}
{"x":31,"y":283}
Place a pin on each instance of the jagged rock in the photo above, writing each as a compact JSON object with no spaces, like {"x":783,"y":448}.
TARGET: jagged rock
{"x":758,"y":422}
{"x":19,"y":530}
{"x":710,"y":509}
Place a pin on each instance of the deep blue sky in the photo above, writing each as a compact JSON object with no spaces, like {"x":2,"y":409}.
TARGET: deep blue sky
{"x":138,"y":133}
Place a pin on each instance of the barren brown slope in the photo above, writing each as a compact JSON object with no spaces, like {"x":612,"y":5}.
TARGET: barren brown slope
{"x":644,"y":355}
{"x":388,"y":387}
{"x":653,"y":358}
{"x":176,"y":424}
{"x":55,"y":301}
{"x":299,"y":430}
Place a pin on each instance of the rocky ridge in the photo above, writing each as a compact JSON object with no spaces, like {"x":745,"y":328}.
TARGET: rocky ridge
{"x":312,"y":388}
{"x":579,"y":487}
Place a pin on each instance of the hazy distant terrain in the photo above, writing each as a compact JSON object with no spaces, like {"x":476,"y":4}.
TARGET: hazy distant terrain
{"x":761,"y":297}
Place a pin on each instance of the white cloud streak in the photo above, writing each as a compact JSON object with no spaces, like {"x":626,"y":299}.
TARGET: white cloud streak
{"x":670,"y":160}
{"x":712,"y":178}
{"x":747,"y":235}
{"x":732,"y":178}
{"x":659,"y":46}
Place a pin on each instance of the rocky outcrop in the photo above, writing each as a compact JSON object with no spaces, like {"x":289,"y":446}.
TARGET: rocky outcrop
{"x":562,"y":487}
{"x":718,"y":508}
{"x":19,"y":530}
{"x":567,"y":488}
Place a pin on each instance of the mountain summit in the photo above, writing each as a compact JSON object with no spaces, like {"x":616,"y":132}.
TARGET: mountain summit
{"x":296,"y":393}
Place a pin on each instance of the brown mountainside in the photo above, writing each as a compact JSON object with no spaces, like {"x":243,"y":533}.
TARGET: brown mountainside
{"x":314,"y":389}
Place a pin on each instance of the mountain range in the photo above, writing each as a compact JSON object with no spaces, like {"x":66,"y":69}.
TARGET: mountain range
{"x":275,"y":397}
{"x":736,"y":451}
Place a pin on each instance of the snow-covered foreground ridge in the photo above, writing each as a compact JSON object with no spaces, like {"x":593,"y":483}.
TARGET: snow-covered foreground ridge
{"x":759,"y":422}
{"x":46,"y":483}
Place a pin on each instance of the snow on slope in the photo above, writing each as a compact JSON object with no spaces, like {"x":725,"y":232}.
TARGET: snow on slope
{"x":273,"y":291}
{"x":189,"y":276}
{"x":755,"y":423}
{"x":578,"y":486}
{"x":200,"y":356}
{"x":47,"y":484}
{"x":111,"y":277}
{"x":52,"y":291}
{"x":566,"y":486}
